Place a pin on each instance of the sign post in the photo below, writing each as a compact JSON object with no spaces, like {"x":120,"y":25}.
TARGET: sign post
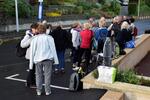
{"x":17,"y":21}
{"x":40,"y":10}
{"x":138,"y":8}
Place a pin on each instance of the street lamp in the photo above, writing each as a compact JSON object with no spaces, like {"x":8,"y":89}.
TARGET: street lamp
{"x":138,"y":8}
{"x":17,"y":21}
{"x":40,"y":11}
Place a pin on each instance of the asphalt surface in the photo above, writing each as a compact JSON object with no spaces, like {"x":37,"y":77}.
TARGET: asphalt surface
{"x":142,"y":25}
{"x":13,"y":74}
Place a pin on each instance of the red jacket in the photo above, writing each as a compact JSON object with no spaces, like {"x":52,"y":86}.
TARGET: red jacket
{"x":86,"y":38}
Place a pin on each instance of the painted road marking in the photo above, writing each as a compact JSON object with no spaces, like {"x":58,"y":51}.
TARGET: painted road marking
{"x":21,"y":80}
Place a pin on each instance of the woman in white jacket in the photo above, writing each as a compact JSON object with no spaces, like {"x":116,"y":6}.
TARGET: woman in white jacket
{"x":43,"y":55}
{"x":76,"y":39}
{"x":25,"y":43}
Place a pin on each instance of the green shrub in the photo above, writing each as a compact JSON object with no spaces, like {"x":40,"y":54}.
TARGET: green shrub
{"x":112,"y":7}
{"x":132,"y":9}
{"x":128,"y":76}
{"x":95,"y":73}
{"x":71,"y":1}
{"x":144,"y":10}
{"x":145,"y":82}
{"x":147,"y":2}
{"x":78,"y":10}
{"x":24,"y":9}
{"x":85,"y":5}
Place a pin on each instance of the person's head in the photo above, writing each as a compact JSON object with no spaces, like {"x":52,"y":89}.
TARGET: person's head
{"x":44,"y":22}
{"x":59,"y":25}
{"x":41,"y":28}
{"x":124,"y":25}
{"x":132,"y":20}
{"x":87,"y":26}
{"x":76,"y":25}
{"x":49,"y":26}
{"x":115,"y":19}
{"x":91,"y":20}
{"x":120,"y":19}
{"x":34,"y":28}
{"x":102,"y":22}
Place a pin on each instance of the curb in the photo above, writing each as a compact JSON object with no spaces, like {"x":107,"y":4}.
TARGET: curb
{"x":9,"y":39}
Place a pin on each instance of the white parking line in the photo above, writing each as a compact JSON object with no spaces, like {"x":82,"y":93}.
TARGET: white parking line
{"x":21,"y":80}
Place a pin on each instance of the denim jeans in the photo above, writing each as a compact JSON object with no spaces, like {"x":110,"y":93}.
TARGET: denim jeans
{"x":61,"y":58}
{"x":75,"y":55}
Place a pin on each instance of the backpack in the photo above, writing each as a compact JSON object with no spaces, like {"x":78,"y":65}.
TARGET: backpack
{"x":20,"y":52}
{"x":75,"y":83}
{"x":101,"y":34}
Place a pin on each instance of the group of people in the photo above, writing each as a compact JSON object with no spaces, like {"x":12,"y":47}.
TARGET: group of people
{"x":47,"y":46}
{"x":122,"y":30}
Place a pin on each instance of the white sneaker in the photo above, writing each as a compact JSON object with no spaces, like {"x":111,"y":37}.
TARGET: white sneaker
{"x":48,"y":93}
{"x":75,"y":69}
{"x":38,"y":93}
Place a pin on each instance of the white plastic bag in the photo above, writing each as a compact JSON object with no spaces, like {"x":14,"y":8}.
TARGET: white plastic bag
{"x":106,"y":74}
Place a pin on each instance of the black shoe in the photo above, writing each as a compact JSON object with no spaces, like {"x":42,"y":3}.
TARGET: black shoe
{"x":33,"y":86}
{"x":122,"y":52}
{"x":27,"y":85}
{"x":62,"y":71}
{"x":30,"y":86}
{"x":56,"y":71}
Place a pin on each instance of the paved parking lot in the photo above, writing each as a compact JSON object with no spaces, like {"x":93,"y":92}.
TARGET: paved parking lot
{"x":13,"y":71}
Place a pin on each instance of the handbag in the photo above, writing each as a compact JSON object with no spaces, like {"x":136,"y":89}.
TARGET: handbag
{"x":130,"y":44}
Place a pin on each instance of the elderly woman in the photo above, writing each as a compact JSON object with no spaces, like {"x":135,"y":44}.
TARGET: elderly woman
{"x":43,"y":54}
{"x":123,"y":37}
{"x":85,"y":46}
{"x":75,"y":32}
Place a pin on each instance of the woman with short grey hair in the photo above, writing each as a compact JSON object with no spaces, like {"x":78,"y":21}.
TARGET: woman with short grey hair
{"x":43,"y":54}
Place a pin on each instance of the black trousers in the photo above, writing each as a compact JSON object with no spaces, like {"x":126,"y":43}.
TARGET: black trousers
{"x":31,"y":77}
{"x":87,"y":55}
{"x":100,"y":46}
